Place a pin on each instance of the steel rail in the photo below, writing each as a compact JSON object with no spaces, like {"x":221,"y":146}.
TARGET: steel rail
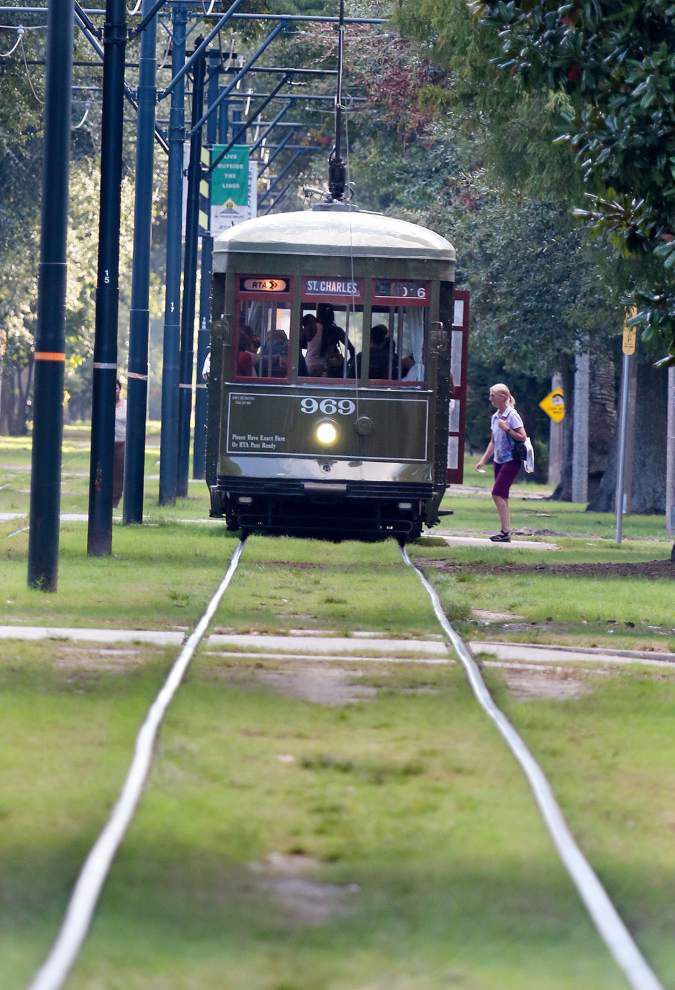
{"x":89,"y":884}
{"x":604,"y":915}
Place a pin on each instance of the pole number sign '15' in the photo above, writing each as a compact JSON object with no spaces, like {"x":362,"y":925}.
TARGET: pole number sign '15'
{"x":329,"y":407}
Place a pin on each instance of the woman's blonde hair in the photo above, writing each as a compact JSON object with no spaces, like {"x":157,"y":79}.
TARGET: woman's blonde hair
{"x":504,"y":389}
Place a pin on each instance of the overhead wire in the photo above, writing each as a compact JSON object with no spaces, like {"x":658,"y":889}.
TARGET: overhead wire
{"x":76,"y":127}
{"x":19,"y":30}
{"x":22,"y":49}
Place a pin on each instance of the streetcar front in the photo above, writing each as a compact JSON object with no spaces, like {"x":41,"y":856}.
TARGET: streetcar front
{"x":329,"y":391}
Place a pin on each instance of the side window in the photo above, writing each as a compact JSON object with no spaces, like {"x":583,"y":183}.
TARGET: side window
{"x":397,"y":343}
{"x":263,"y":339}
{"x":331,"y":337}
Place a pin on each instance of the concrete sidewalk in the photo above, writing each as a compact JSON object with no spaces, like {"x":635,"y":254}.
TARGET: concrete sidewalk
{"x":541,"y":653}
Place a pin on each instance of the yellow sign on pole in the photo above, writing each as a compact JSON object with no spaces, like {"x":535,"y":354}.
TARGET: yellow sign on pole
{"x":629,"y":341}
{"x":553,"y":405}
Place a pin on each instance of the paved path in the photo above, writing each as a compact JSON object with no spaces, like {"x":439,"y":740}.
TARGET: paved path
{"x":570,"y":654}
{"x":334,"y":645}
{"x":483,"y":541}
{"x":315,"y":645}
{"x":157,"y":637}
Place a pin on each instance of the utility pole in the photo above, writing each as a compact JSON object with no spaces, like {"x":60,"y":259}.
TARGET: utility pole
{"x":628,"y":346}
{"x":670,"y":460}
{"x":99,"y":537}
{"x":45,"y":487}
{"x":137,"y":375}
{"x":168,"y":462}
{"x":190,"y":281}
{"x":582,"y":394}
{"x":204,"y":332}
{"x":555,"y":446}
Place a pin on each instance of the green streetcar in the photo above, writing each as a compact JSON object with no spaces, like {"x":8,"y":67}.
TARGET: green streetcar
{"x":337,"y":377}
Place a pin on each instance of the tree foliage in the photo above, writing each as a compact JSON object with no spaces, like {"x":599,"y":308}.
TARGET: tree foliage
{"x":614,"y":65}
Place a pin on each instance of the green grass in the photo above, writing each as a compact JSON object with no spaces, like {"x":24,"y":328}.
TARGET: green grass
{"x":611,"y":756}
{"x":68,"y":721}
{"x":158,"y":577}
{"x":409,"y":796}
{"x":288,"y":583}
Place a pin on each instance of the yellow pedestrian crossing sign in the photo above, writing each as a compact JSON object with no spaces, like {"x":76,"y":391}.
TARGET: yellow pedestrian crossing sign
{"x":553,"y":405}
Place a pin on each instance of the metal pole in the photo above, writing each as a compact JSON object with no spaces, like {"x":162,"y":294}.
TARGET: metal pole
{"x":45,"y":484}
{"x":621,"y":465}
{"x":264,"y":45}
{"x":270,"y":127}
{"x":99,"y":536}
{"x":204,"y":332}
{"x":139,"y":316}
{"x":168,"y":457}
{"x":277,"y":151}
{"x":582,"y":376}
{"x":282,"y":174}
{"x":555,"y":447}
{"x":223,"y":120}
{"x":197,"y":55}
{"x":670,"y":458}
{"x":240,"y":127}
{"x":190,"y":284}
{"x":92,"y":39}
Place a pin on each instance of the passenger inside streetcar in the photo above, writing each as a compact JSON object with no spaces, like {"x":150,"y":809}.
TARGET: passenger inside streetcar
{"x":274,"y":355}
{"x":247,"y":359}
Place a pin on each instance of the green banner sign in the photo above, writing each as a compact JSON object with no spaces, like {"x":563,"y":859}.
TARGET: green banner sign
{"x":229,"y":181}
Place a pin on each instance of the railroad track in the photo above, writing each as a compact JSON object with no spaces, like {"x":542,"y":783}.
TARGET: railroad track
{"x":83,"y":901}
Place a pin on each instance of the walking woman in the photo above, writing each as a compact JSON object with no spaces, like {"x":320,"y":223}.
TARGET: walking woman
{"x":507,"y":427}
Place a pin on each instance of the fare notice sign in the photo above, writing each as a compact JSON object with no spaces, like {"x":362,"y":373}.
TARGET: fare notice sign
{"x":553,"y":405}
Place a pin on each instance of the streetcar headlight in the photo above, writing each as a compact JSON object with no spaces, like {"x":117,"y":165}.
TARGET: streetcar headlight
{"x":326,"y":433}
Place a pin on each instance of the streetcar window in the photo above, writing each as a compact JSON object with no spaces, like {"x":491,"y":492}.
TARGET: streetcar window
{"x":330,"y":338}
{"x":262,"y":339}
{"x":397,"y":350}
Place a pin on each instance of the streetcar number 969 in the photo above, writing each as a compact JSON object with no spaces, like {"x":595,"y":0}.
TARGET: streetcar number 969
{"x":329,"y":407}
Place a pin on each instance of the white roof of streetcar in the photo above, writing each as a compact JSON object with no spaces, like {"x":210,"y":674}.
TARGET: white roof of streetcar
{"x":337,"y":231}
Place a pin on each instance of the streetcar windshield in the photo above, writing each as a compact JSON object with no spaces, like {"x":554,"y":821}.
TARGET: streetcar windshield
{"x":262,"y":344}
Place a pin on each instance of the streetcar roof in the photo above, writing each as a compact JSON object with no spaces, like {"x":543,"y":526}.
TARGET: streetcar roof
{"x":337,"y":231}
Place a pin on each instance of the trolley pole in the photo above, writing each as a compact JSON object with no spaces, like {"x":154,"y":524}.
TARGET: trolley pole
{"x":45,"y":486}
{"x":168,"y":462}
{"x":137,"y":375}
{"x":190,"y":282}
{"x":99,"y":536}
{"x":204,"y":332}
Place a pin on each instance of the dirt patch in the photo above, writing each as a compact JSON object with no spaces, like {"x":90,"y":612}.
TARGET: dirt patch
{"x":548,"y":685}
{"x":643,"y":569}
{"x":484,"y":615}
{"x":320,"y":683}
{"x":304,"y":901}
{"x":96,"y":659}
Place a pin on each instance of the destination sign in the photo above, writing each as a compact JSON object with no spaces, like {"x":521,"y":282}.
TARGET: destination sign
{"x":263,"y":284}
{"x":390,"y":288}
{"x":332,"y":287}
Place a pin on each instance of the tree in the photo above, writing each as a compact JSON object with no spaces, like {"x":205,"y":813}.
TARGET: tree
{"x":612,"y":67}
